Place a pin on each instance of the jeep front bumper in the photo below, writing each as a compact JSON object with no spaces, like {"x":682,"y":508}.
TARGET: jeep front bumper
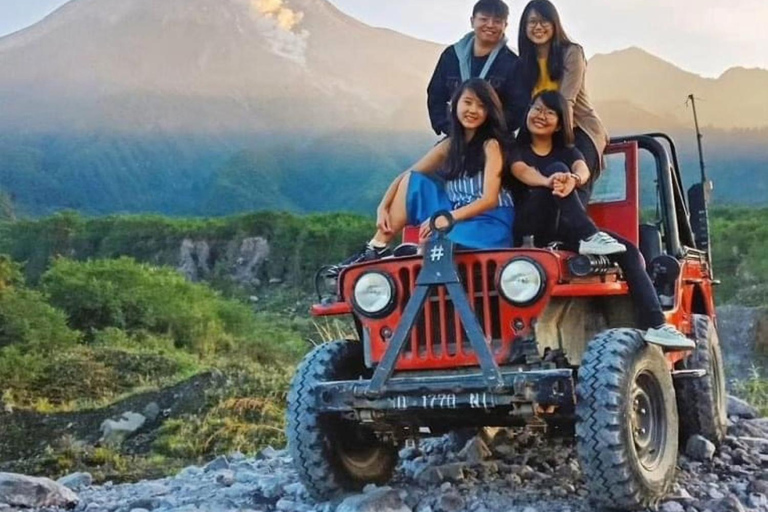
{"x":538,"y":391}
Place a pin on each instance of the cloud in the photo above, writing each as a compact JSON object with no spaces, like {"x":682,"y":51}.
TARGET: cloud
{"x":280,"y":25}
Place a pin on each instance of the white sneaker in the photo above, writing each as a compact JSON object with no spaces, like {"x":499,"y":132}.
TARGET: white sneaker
{"x":667,"y":336}
{"x":601,"y":244}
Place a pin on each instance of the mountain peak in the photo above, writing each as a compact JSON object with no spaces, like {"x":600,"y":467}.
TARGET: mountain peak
{"x":210,"y":65}
{"x":634,"y":56}
{"x":272,"y":65}
{"x":743,"y":73}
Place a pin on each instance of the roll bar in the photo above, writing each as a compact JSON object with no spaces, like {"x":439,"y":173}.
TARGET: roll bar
{"x":677,"y":227}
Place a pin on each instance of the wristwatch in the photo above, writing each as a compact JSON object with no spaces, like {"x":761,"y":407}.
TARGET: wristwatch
{"x":577,"y":178}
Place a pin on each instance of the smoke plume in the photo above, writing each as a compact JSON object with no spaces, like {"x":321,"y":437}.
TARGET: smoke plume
{"x":281,"y":27}
{"x":286,"y":18}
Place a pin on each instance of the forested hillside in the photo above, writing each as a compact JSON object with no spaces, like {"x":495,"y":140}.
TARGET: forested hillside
{"x":201,"y":175}
{"x":299,"y":245}
{"x":198,"y":175}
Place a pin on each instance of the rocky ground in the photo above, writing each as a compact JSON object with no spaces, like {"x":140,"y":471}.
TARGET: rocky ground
{"x":511,"y":471}
{"x":502,"y":471}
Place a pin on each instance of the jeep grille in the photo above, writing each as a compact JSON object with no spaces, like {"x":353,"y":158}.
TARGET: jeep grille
{"x":438,"y":333}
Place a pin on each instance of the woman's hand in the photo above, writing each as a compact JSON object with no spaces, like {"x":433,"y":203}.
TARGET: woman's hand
{"x":565,"y":186}
{"x":556,"y":180}
{"x":425,"y":231}
{"x":382,"y":221}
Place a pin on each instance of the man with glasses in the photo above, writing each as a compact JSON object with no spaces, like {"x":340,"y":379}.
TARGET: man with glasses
{"x":482,"y":53}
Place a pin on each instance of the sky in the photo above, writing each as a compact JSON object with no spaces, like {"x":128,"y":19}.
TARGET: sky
{"x":703,"y":36}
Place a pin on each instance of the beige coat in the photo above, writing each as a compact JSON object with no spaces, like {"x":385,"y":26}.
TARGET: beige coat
{"x":573,"y":88}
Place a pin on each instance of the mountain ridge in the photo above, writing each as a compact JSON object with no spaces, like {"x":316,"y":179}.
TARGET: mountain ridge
{"x":139,"y":105}
{"x":205,"y":65}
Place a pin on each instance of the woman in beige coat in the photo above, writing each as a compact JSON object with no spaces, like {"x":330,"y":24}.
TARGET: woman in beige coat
{"x":551,"y":61}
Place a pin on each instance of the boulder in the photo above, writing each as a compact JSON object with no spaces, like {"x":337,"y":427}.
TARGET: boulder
{"x":270,"y":453}
{"x":151,"y":411}
{"x":34,"y":492}
{"x":225,"y":478}
{"x":741,"y":409}
{"x":759,"y":486}
{"x":700,"y":448}
{"x":379,"y":500}
{"x":76,"y":481}
{"x":728,"y":504}
{"x":757,"y":501}
{"x":756,"y":443}
{"x":450,"y":502}
{"x":475,"y":451}
{"x":454,"y":472}
{"x":217,"y":464}
{"x":115,"y":432}
{"x":671,"y":506}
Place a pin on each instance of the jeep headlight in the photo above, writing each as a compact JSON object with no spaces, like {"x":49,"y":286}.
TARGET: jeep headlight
{"x":522,"y":281}
{"x":374,"y":294}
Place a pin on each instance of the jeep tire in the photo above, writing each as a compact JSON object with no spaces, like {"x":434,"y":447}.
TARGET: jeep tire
{"x":626,"y":421}
{"x":702,"y":401}
{"x":332,"y":454}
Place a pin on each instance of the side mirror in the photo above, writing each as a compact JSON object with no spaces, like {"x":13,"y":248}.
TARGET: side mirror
{"x":698,"y":197}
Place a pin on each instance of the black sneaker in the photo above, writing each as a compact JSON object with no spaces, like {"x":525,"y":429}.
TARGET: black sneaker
{"x":367,"y":253}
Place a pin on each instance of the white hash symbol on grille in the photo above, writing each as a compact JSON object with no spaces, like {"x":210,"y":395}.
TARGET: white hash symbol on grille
{"x":437,"y":253}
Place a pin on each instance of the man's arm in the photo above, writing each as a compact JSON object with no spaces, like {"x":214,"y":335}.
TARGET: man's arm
{"x":438,"y":97}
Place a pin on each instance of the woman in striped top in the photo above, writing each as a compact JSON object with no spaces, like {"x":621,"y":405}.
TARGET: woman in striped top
{"x":470,"y":188}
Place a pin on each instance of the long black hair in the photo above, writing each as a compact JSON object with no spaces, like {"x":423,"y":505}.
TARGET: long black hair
{"x":559,"y":44}
{"x":468,"y":157}
{"x":553,"y":100}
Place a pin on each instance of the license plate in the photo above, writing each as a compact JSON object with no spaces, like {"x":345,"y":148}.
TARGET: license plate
{"x":443,"y":401}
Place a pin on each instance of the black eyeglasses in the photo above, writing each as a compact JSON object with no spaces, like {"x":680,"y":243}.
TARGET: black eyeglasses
{"x":539,"y":110}
{"x":537,"y":21}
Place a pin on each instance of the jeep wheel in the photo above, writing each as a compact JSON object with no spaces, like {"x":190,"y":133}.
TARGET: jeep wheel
{"x":626,"y":421}
{"x":702,"y":401}
{"x":332,"y":454}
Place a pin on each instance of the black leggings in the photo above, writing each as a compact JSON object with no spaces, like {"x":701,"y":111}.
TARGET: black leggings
{"x":550,"y":218}
{"x":588,"y":149}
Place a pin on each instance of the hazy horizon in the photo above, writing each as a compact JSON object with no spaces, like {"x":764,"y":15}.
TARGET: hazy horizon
{"x":712,"y":38}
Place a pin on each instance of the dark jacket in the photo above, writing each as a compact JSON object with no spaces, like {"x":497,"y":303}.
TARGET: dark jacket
{"x":503,"y":77}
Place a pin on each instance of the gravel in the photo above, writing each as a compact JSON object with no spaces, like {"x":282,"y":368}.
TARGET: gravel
{"x":515,"y":471}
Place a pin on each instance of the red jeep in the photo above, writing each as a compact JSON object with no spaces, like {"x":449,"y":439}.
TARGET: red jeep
{"x":524,"y":336}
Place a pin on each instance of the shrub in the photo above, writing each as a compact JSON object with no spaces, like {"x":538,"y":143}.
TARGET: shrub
{"x":10,"y":272}
{"x":28,"y":321}
{"x":131,"y":296}
{"x":134,"y":297}
{"x":246,"y":414}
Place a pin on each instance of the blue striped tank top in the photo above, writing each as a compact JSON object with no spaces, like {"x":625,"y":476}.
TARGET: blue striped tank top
{"x":465,"y":189}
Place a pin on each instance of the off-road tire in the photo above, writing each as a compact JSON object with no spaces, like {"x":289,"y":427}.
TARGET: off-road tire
{"x":320,"y":444}
{"x":616,"y":366}
{"x":703,"y":401}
